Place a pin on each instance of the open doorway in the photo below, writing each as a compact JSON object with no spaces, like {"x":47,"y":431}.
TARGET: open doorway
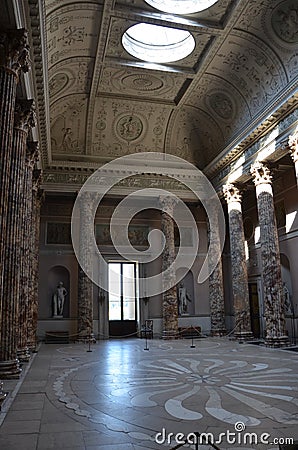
{"x":123,"y":295}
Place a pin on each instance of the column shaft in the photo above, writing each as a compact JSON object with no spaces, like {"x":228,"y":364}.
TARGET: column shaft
{"x":216,"y":287}
{"x":272,"y":281}
{"x":85,"y":304}
{"x":169,"y":295}
{"x":37,"y":196}
{"x":238,"y":263}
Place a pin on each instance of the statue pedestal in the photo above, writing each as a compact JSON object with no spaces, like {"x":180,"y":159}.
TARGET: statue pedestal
{"x":57,"y":317}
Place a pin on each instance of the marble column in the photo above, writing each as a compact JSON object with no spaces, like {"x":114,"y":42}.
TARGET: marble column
{"x":169,"y":294}
{"x":26,"y":290}
{"x":14,"y":57}
{"x":37,"y":198}
{"x":271,"y":269}
{"x":293,"y":144}
{"x":216,"y":287}
{"x":85,"y":303}
{"x":11,"y":286}
{"x":238,"y":262}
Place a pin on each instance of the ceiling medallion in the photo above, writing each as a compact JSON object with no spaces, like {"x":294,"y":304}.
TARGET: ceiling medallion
{"x":129,"y":127}
{"x":142,"y":82}
{"x":284,"y":21}
{"x":57,"y":83}
{"x":221,"y":104}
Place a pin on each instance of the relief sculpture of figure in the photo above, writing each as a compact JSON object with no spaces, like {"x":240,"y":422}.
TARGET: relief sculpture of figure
{"x":58,"y":300}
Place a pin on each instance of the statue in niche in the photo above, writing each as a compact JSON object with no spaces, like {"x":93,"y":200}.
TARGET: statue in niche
{"x":288,"y":304}
{"x":59,"y":299}
{"x":183,"y":298}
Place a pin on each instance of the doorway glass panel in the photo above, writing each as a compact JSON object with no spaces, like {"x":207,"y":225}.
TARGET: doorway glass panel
{"x":122,"y":291}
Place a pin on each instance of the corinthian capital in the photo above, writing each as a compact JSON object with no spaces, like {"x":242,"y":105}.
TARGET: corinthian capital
{"x":261,"y":173}
{"x":14,"y":51}
{"x":32,"y":153}
{"x":167,"y":202}
{"x":232,"y":193}
{"x":24,"y":115}
{"x":293,"y":144}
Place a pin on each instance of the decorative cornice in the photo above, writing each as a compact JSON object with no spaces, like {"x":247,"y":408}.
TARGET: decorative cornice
{"x":282,"y":117}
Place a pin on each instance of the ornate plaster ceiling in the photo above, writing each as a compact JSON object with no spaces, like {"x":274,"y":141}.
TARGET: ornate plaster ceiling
{"x":104,"y":103}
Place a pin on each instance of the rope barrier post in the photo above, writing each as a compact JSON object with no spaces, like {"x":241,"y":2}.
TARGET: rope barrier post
{"x":146,"y":346}
{"x":89,"y":342}
{"x":192,"y":337}
{"x":192,"y":344}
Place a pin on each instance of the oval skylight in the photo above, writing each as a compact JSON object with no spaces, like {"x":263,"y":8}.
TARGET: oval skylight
{"x":181,"y":6}
{"x":154,"y":43}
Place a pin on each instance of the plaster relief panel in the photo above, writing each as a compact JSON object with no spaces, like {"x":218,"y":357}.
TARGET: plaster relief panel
{"x":70,"y":77}
{"x":193,"y":135}
{"x":68,"y":117}
{"x":223,"y":103}
{"x":140,"y":83}
{"x":121,"y":128}
{"x":72,"y":31}
{"x":277,"y":23}
{"x":252,"y":67}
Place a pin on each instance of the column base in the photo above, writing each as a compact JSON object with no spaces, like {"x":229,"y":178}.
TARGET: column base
{"x":10,"y":370}
{"x":3,"y":394}
{"x":23,"y":354}
{"x":243,"y":336}
{"x":218,"y":333}
{"x":170,"y":334}
{"x":280,"y":341}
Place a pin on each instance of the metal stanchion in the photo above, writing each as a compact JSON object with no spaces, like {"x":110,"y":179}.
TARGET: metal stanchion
{"x":146,"y":346}
{"x":192,"y":344}
{"x":89,"y":348}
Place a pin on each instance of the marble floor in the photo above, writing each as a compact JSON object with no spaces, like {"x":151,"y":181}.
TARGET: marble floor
{"x":120,"y":396}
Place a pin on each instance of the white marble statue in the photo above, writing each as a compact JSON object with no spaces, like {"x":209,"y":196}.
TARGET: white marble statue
{"x":58,"y":300}
{"x":183,"y":298}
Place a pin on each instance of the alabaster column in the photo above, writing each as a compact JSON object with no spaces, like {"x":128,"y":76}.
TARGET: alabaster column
{"x":85,"y":303}
{"x":293,"y":144}
{"x":11,"y":287}
{"x":216,"y":287}
{"x":26,"y":290}
{"x":272,"y":281}
{"x":238,"y":263}
{"x":37,"y":198}
{"x":14,"y":53}
{"x":169,"y":294}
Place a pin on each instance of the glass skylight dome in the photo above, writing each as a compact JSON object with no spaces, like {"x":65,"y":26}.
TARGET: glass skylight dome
{"x":181,"y":6}
{"x":153,"y":43}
